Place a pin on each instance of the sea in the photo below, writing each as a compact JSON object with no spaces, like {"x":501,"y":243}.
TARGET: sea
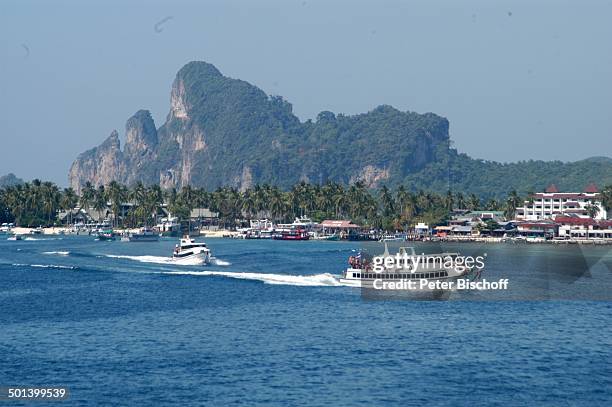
{"x":268,"y":324}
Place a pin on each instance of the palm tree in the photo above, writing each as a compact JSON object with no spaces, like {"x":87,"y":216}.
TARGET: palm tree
{"x":68,"y":202}
{"x":592,"y":210}
{"x":512,"y":202}
{"x":88,"y":195}
{"x":386,"y":201}
{"x":606,"y":198}
{"x":277,"y":205}
{"x":473,"y":202}
{"x":100,"y":202}
{"x":449,"y":200}
{"x":116,"y":194}
{"x":401,"y":197}
{"x":248,"y":203}
{"x":51,"y":199}
{"x":461,"y":204}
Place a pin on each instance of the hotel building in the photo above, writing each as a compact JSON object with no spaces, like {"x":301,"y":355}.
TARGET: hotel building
{"x":552,"y":203}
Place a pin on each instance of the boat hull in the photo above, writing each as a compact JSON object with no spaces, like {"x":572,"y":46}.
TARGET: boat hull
{"x":192,"y":259}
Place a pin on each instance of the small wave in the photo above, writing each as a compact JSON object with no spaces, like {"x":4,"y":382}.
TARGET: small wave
{"x":46,"y":266}
{"x":58,"y":253}
{"x":219,"y":262}
{"x":316,"y":280}
{"x":29,"y":238}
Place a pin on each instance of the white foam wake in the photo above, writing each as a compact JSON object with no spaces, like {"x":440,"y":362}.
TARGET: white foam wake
{"x":44,"y":238}
{"x":316,"y":280}
{"x":45,"y":266}
{"x":159,"y":260}
{"x":57,"y":253}
{"x":219,"y":262}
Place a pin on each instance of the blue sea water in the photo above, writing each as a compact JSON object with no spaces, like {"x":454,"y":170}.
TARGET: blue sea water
{"x":119,"y":324}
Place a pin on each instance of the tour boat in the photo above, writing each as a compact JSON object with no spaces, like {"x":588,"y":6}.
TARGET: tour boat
{"x":189,"y":251}
{"x":361,"y":271}
{"x":144,"y":235}
{"x":291,"y":234}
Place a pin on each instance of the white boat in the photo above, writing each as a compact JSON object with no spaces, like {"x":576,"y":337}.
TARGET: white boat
{"x":15,"y":237}
{"x":169,"y":227}
{"x":431,"y":267}
{"x":188,"y":251}
{"x":6,"y":227}
{"x":260,"y":229}
{"x":144,"y":235}
{"x":398,"y":237}
{"x":37,"y":231}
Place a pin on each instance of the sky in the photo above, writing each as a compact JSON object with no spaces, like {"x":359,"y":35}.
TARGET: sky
{"x":518,"y":80}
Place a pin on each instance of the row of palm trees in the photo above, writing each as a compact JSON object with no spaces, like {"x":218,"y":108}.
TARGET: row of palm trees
{"x":37,"y":203}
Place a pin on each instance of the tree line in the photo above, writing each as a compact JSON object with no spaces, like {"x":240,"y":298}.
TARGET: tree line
{"x":38,"y":203}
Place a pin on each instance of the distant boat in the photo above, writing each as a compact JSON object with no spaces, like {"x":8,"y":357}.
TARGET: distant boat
{"x":332,"y":237}
{"x":37,"y":231}
{"x":291,"y":234}
{"x":144,"y":235}
{"x":106,"y":235}
{"x":169,"y":227}
{"x":398,"y":237}
{"x":15,"y":237}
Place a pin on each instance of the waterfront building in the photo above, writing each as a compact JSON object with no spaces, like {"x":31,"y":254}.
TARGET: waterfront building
{"x":552,"y":203}
{"x":576,"y":228}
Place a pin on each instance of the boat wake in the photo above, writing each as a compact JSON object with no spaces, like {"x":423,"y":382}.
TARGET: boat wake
{"x":36,"y":239}
{"x":169,"y":260}
{"x":219,"y":262}
{"x":46,"y":266}
{"x":57,"y":253}
{"x":316,"y":280}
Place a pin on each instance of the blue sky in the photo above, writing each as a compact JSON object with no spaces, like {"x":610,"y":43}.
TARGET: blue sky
{"x":516,"y":79}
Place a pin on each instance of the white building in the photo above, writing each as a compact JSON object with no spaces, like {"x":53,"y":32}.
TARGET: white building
{"x":581,"y":228}
{"x":552,"y":203}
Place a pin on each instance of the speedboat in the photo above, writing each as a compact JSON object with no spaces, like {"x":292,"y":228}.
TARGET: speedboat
{"x":15,"y":237}
{"x":188,"y":251}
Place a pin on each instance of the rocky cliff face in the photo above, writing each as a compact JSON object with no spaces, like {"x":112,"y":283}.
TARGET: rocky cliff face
{"x":224,"y":131}
{"x":100,"y":165}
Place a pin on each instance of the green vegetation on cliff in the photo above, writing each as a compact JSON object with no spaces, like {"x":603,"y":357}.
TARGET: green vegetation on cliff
{"x":226,"y":132}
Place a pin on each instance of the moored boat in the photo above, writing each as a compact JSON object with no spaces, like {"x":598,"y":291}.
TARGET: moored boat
{"x":291,"y":234}
{"x":144,"y":235}
{"x":6,"y":228}
{"x":106,"y":235}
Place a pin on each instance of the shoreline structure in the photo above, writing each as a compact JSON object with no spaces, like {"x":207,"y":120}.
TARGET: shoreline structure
{"x":233,"y":234}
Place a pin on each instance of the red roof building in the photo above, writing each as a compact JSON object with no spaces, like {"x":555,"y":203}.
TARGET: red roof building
{"x":552,"y":189}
